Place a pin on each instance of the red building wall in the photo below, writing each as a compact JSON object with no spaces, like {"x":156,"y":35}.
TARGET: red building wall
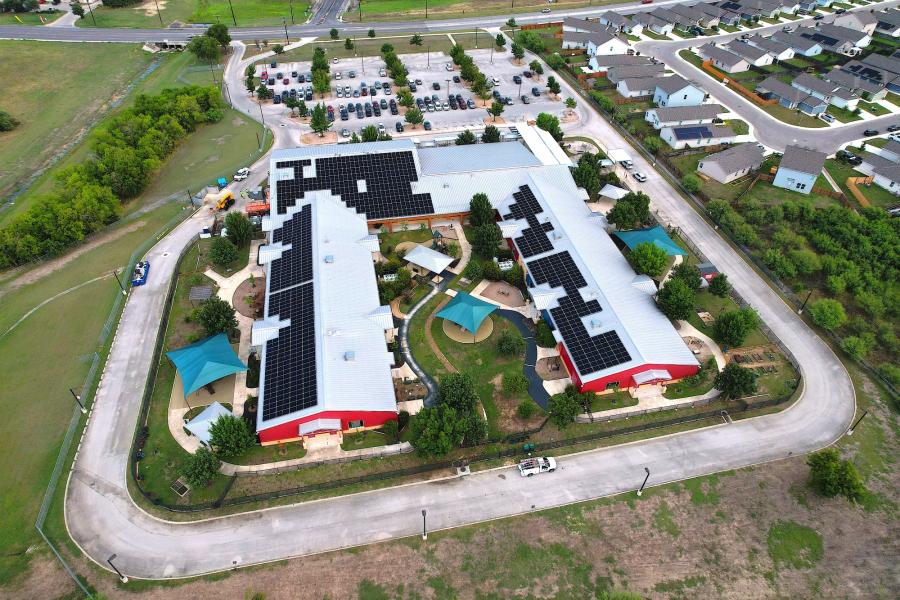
{"x":623,"y":378}
{"x":291,"y":429}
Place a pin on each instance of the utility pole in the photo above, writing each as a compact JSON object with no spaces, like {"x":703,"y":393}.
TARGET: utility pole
{"x":191,"y":196}
{"x":476,"y":38}
{"x":426,"y":17}
{"x":233,"y":20}
{"x":802,"y":306}
{"x":424,"y":530}
{"x":78,"y":400}
{"x":292,"y":11}
{"x":861,"y":417}
{"x":428,"y":55}
{"x":122,"y":287}
{"x":91,"y":10}
{"x":122,"y":577}
{"x":360,"y":10}
{"x":158,"y":14}
{"x":261,"y":114}
{"x":286,"y":39}
{"x":641,"y":491}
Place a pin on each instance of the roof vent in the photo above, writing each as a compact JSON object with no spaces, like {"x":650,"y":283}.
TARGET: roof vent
{"x":350,"y":356}
{"x":596,"y":324}
{"x":556,"y":235}
{"x":329,"y":258}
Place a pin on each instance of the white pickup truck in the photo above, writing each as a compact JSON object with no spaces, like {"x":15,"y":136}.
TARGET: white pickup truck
{"x":541,"y":464}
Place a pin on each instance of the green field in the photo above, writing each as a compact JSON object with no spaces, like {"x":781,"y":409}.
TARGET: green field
{"x":50,"y":111}
{"x":246,"y":13}
{"x":29,"y":18}
{"x":407,"y":10}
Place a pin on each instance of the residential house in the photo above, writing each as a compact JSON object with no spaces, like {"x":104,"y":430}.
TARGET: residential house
{"x":696,"y":136}
{"x":790,"y":97}
{"x":724,"y":17}
{"x":649,"y":22}
{"x":801,"y":45}
{"x":722,"y":59}
{"x":888,"y":178}
{"x":799,"y":169}
{"x":888,"y":23}
{"x":790,"y":7}
{"x":576,"y":40}
{"x":637,"y":87}
{"x":858,"y":36}
{"x":620,"y":23}
{"x":617,"y":74}
{"x":573,"y":25}
{"x":839,"y":40}
{"x":602,"y":64}
{"x":884,"y":168}
{"x":606,"y":43}
{"x":763,"y":8}
{"x":732,"y":163}
{"x":807,"y":6}
{"x":664,"y":14}
{"x":677,"y":91}
{"x":858,"y":21}
{"x":675,"y":116}
{"x":858,"y":85}
{"x":777,"y":50}
{"x":827,"y":91}
{"x":757,"y":57}
{"x":592,"y":37}
{"x":825,"y":3}
{"x":746,"y":14}
{"x":891,"y":151}
{"x":869,"y":70}
{"x":689,"y":16}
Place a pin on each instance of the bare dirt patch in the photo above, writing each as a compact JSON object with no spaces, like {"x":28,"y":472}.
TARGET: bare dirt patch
{"x":550,"y":368}
{"x":503,"y":293}
{"x":253,"y":290}
{"x":313,"y":139}
{"x":510,"y":421}
{"x":149,"y":8}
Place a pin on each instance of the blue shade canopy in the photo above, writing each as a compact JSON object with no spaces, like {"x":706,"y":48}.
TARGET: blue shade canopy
{"x":205,"y":361}
{"x":467,"y":311}
{"x":655,"y":235}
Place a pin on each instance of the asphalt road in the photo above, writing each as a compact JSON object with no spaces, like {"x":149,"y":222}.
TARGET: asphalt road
{"x":767,"y":129}
{"x":102,"y":519}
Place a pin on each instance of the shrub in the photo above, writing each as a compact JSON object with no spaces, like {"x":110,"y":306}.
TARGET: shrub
{"x":222,"y":252}
{"x":563,"y":408}
{"x":828,"y":313}
{"x":831,"y":476}
{"x":230,"y":436}
{"x":391,"y":430}
{"x":735,"y":381}
{"x":648,"y":259}
{"x":719,"y":285}
{"x":510,"y":344}
{"x":7,"y":121}
{"x":858,"y":346}
{"x":526,"y":409}
{"x":200,"y":468}
{"x":543,"y":335}
{"x":516,"y":383}
{"x":691,"y":183}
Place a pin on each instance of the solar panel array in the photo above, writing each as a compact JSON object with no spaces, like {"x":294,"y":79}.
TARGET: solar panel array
{"x":388,"y":189}
{"x":692,"y":133}
{"x":295,"y":264}
{"x":290,"y":375}
{"x":533,"y":240}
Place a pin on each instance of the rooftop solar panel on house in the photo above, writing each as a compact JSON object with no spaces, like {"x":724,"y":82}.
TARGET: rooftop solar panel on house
{"x":692,"y":133}
{"x":290,"y":371}
{"x":386,"y":193}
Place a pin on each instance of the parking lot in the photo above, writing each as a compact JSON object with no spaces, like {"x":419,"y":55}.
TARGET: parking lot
{"x":437,"y":84}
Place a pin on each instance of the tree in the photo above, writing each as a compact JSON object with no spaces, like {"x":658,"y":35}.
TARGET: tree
{"x":250,"y":84}
{"x":219,"y":32}
{"x":518,"y":51}
{"x":526,"y":408}
{"x":321,"y":82}
{"x":543,"y":335}
{"x":319,"y":120}
{"x":466,"y":138}
{"x":457,"y":391}
{"x":491,"y":135}
{"x":831,"y":476}
{"x":215,"y":316}
{"x":240,"y":230}
{"x":586,"y":175}
{"x":691,"y":183}
{"x":605,"y":103}
{"x":689,"y":274}
{"x":719,"y":285}
{"x":405,"y":98}
{"x":733,"y":327}
{"x":500,"y":41}
{"x":563,"y":408}
{"x":648,"y":259}
{"x":319,"y":61}
{"x":553,"y":85}
{"x":262,"y":92}
{"x":334,"y":33}
{"x":391,"y":430}
{"x":230,"y":436}
{"x":415,"y":40}
{"x":7,"y":121}
{"x":222,"y":252}
{"x":485,"y":240}
{"x":828,"y":313}
{"x":653,"y":144}
{"x":676,"y":300}
{"x":369,"y":133}
{"x":413,"y":116}
{"x":858,"y":346}
{"x":77,"y":10}
{"x":495,"y":110}
{"x":302,"y":109}
{"x":735,"y":381}
{"x":516,"y":383}
{"x":480,"y":211}
{"x":510,"y":344}
{"x":436,"y":430}
{"x":204,"y":47}
{"x":371,"y":33}
{"x":348,"y":44}
{"x":630,"y":212}
{"x":387,"y":48}
{"x":511,"y":23}
{"x":278,"y":49}
{"x":200,"y":468}
{"x":571,"y":103}
{"x":550,"y":124}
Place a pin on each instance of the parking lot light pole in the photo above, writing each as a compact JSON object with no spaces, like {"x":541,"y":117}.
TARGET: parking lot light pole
{"x":861,"y":417}
{"x":448,"y":89}
{"x":122,"y":577}
{"x":78,"y":400}
{"x":122,"y":287}
{"x":641,"y":491}
{"x":424,"y":530}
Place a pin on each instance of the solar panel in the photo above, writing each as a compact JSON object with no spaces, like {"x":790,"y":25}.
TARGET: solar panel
{"x":533,"y":240}
{"x":290,"y":374}
{"x":295,"y":264}
{"x":692,"y":133}
{"x":387,"y":193}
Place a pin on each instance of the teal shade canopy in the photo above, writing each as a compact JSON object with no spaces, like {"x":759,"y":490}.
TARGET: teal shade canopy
{"x":205,"y":361}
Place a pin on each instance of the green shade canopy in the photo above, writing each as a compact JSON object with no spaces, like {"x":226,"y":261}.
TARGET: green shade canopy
{"x":655,"y":235}
{"x":467,"y":311}
{"x":205,"y":361}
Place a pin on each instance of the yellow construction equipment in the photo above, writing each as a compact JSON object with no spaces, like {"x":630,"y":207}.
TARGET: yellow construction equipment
{"x":222,"y":200}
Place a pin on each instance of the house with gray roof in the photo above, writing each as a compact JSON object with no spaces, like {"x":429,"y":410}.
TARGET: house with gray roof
{"x":650,"y":22}
{"x":840,"y":40}
{"x":777,"y":50}
{"x":753,"y":55}
{"x":883,"y":165}
{"x":603,"y":63}
{"x":722,"y":59}
{"x":731,"y":163}
{"x":617,"y":74}
{"x":675,"y":90}
{"x":620,"y":23}
{"x":799,"y":169}
{"x":593,"y":37}
{"x":637,"y":87}
{"x":696,"y":136}
{"x":826,"y":91}
{"x":859,"y":20}
{"x":689,"y":16}
{"x":801,"y":45}
{"x":888,"y":23}
{"x":862,"y":87}
{"x":788,"y":96}
{"x":869,"y":70}
{"x":674,"y":116}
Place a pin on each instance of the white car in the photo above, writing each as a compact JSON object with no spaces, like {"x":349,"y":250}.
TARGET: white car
{"x":242,"y":174}
{"x":449,"y":66}
{"x":627,"y":164}
{"x":205,"y":234}
{"x":533,"y":466}
{"x":337,"y":75}
{"x":640,"y":177}
{"x":495,"y":80}
{"x":382,"y":73}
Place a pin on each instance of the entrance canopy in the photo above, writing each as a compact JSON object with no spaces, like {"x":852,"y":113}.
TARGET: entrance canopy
{"x":466,"y":311}
{"x":655,"y":235}
{"x":205,"y":361}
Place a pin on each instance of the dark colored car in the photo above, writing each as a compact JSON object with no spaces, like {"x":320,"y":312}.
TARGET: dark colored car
{"x":308,"y":96}
{"x":517,"y":79}
{"x":456,"y":79}
{"x":276,"y":99}
{"x":294,"y":74}
{"x":383,"y":104}
{"x":344,"y":115}
{"x":412,"y":87}
{"x":496,"y":94}
{"x":301,"y":78}
{"x":286,"y":81}
{"x":351,"y":107}
{"x":271,"y":81}
{"x":399,"y":127}
{"x":394,"y":110}
{"x":535,"y":92}
{"x":527,"y":74}
{"x":870,"y":132}
{"x":435,"y":86}
{"x":376,"y":110}
{"x":453,"y":104}
{"x":418,"y":82}
{"x":893,"y":128}
{"x":273,"y":64}
{"x":427,"y":125}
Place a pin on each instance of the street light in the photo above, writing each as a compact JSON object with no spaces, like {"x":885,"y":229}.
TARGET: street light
{"x":286,"y":39}
{"x":78,"y":400}
{"x":91,"y":10}
{"x":641,"y":491}
{"x":802,"y":306}
{"x":110,"y":560}
{"x":292,"y":11}
{"x":424,"y":530}
{"x":861,"y":417}
{"x":233,"y":20}
{"x":122,"y":287}
{"x":448,"y":89}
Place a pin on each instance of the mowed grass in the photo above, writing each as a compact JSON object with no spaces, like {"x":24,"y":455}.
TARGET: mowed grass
{"x":388,"y":10}
{"x":48,"y":353}
{"x":29,"y":18}
{"x":56,"y":90}
{"x":246,"y":12}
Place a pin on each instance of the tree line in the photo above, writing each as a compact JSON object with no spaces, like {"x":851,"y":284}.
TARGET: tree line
{"x":125,"y":155}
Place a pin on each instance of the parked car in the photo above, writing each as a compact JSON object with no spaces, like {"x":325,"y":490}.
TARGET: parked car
{"x":818,"y":17}
{"x":399,"y":127}
{"x":470,"y":103}
{"x":517,"y":79}
{"x":545,"y":10}
{"x":412,"y":87}
{"x":495,"y":80}
{"x":527,"y":74}
{"x":427,"y":125}
{"x":627,"y":164}
{"x":382,"y":72}
{"x":337,"y":75}
{"x":827,"y":117}
{"x":418,"y":82}
{"x":242,"y":174}
{"x":435,"y":85}
{"x":383,"y":104}
{"x":141,"y":271}
{"x":540,"y":464}
{"x":526,"y":99}
{"x":352,"y":74}
{"x":640,"y":177}
{"x":893,"y":128}
{"x":456,"y":79}
{"x":345,"y":132}
{"x":870,"y":132}
{"x":449,"y":66}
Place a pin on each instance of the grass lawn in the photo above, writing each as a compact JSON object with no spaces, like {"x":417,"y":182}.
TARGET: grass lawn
{"x":794,"y":117}
{"x":246,"y":12}
{"x":29,"y":18}
{"x":73,"y":98}
{"x":409,"y":10}
{"x":603,"y":402}
{"x":713,"y":189}
{"x":842,"y":114}
{"x":364,"y":439}
{"x":655,"y":36}
{"x":418,"y":292}
{"x":239,"y":263}
{"x":695,"y":385}
{"x":767,"y":194}
{"x":386,"y":239}
{"x":44,"y":372}
{"x":874,"y":108}
{"x":683,"y":34}
{"x":729,"y":28}
{"x":876,"y":195}
{"x":886,"y":41}
{"x":893,"y":98}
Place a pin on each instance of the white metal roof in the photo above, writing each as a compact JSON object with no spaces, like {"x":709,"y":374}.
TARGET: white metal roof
{"x":475,"y":157}
{"x":429,"y":259}
{"x":320,"y":425}
{"x":543,"y":146}
{"x":613,"y":191}
{"x":199,"y":425}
